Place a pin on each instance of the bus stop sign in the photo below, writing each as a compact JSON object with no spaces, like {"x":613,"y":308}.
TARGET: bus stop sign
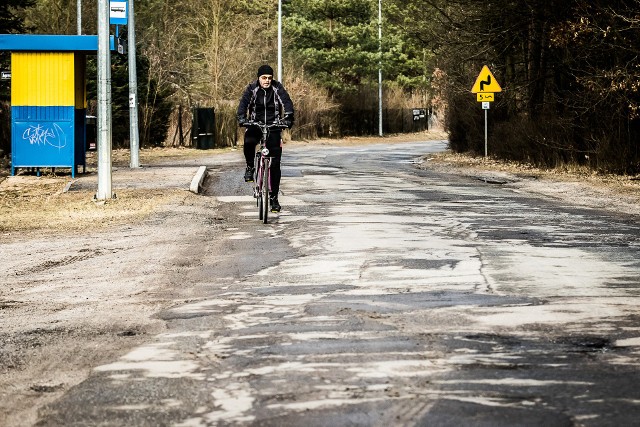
{"x":118,"y":12}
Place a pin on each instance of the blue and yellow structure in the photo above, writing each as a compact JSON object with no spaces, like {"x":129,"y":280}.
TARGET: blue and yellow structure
{"x":48,"y":99}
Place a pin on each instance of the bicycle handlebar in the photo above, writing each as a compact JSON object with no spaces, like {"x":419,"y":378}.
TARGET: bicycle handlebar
{"x":264,"y":125}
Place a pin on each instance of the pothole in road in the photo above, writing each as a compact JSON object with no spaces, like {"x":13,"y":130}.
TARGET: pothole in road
{"x":9,"y":304}
{"x":586,"y":344}
{"x":129,"y":333}
{"x":494,"y":180}
{"x":46,"y":388}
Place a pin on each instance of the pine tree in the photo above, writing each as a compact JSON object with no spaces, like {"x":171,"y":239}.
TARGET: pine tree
{"x":337,"y":40}
{"x":10,"y":22}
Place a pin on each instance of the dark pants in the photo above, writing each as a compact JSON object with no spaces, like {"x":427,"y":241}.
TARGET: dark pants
{"x":252,"y":139}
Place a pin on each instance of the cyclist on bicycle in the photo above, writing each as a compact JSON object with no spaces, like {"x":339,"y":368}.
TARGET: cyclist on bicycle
{"x":266,"y":101}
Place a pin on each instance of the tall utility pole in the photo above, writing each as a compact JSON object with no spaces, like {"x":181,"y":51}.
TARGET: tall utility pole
{"x":134,"y":141}
{"x":104,"y":103}
{"x":279,"y":77}
{"x":380,"y":68}
{"x":79,"y":16}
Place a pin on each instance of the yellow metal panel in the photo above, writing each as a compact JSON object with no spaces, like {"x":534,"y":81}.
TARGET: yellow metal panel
{"x":42,"y":79}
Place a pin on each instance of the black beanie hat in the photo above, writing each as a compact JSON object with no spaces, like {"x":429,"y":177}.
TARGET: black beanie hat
{"x":265,"y":70}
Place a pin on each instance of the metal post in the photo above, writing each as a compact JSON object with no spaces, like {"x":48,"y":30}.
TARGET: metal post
{"x":104,"y":103}
{"x":134,"y":141}
{"x":79,"y":16}
{"x":279,"y":77}
{"x":485,"y":133}
{"x":380,"y":68}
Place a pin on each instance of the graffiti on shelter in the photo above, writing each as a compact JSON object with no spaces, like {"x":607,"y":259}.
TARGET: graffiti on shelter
{"x":38,"y":134}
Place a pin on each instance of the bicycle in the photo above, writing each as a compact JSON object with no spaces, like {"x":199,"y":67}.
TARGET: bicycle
{"x":262,"y":169}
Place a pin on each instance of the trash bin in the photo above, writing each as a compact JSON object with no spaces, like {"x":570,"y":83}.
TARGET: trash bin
{"x":203,"y":134}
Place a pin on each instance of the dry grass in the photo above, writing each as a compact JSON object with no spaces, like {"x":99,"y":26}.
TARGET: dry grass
{"x":432,"y":135}
{"x":39,"y":204}
{"x":28,"y":204}
{"x":617,"y":185}
{"x":150,"y":156}
{"x":565,"y":172}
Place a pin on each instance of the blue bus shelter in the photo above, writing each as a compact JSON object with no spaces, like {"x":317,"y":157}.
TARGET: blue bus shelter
{"x":48,"y":99}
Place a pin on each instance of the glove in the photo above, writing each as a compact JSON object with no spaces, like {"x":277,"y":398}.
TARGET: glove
{"x":287,"y":121}
{"x":241,"y":121}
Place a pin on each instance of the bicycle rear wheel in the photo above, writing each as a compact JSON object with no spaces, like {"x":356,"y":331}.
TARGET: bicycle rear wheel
{"x":264,"y":211}
{"x":259,"y":187}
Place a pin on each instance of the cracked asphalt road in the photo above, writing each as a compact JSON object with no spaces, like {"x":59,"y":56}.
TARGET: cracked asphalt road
{"x":385,"y":294}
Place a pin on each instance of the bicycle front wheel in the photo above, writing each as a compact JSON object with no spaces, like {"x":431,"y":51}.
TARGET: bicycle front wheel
{"x":264,"y":209}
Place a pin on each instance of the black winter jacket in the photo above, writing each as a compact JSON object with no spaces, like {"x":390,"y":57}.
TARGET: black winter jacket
{"x":265,"y":105}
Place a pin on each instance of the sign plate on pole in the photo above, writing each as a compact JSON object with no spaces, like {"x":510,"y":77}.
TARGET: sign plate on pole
{"x":485,"y":97}
{"x":486,"y":82}
{"x":486,"y":105}
{"x":118,"y":12}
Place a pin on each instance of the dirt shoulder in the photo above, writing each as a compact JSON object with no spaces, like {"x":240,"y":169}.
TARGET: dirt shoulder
{"x":56,"y":202}
{"x":575,"y":186}
{"x":82,"y":280}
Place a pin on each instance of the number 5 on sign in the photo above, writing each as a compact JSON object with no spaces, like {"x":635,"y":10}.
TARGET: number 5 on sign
{"x":485,"y":97}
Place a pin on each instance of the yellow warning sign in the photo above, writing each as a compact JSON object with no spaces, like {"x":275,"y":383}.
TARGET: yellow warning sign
{"x":486,"y":82}
{"x":485,"y":97}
